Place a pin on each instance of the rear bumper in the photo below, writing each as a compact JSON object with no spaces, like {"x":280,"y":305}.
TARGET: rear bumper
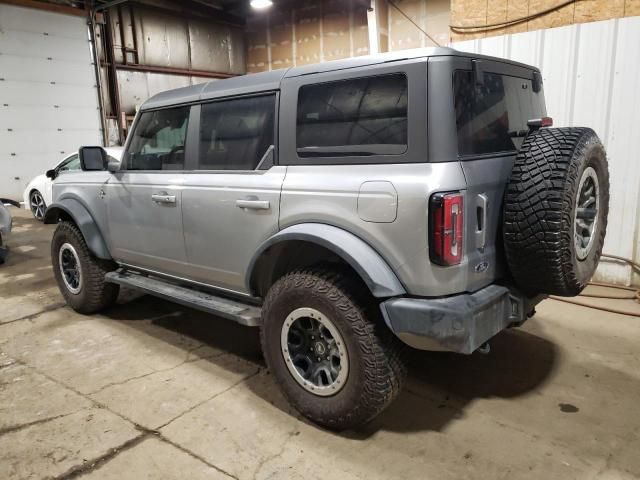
{"x":460,"y":323}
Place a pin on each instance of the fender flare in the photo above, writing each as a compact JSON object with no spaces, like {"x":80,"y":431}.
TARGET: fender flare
{"x":85,"y":222}
{"x":372,"y":268}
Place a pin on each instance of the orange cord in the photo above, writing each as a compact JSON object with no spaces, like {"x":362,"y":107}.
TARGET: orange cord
{"x":635,"y":296}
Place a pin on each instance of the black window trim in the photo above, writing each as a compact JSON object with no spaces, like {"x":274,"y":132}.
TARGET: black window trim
{"x":192,"y":148}
{"x":351,"y":150}
{"x":417,"y":141}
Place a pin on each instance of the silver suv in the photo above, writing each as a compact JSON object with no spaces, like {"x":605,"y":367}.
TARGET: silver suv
{"x":346,"y":209}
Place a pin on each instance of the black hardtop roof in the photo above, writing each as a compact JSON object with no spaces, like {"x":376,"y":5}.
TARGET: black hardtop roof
{"x":269,"y":81}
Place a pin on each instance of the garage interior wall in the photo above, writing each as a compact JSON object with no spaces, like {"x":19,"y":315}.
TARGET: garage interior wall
{"x":309,"y":32}
{"x":591,"y":78}
{"x":484,"y":12}
{"x":155,"y":49}
{"x":317,"y":31}
{"x":431,"y":15}
{"x":48,"y":94}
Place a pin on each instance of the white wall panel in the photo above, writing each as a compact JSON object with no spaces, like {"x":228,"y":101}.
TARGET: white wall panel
{"x":48,"y":98}
{"x":592,"y":78}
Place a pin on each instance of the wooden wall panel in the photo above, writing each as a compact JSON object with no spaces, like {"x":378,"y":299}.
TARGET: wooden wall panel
{"x":310,"y":32}
{"x":483,"y":12}
{"x":631,"y":8}
{"x":359,"y":31}
{"x":595,"y":10}
{"x":497,"y":12}
{"x":438,"y":18}
{"x":559,"y":18}
{"x":468,"y":13}
{"x":336,"y":41}
{"x":402,"y":33}
{"x":308,"y":41}
{"x":516,"y":9}
{"x":256,"y":40}
{"x":431,"y":15}
{"x":282,"y":40}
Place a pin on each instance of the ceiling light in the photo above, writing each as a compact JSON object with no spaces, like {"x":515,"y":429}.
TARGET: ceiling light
{"x":260,"y":4}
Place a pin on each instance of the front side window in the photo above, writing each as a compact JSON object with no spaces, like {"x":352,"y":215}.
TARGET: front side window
{"x":361,"y":116}
{"x":235,"y":134}
{"x":492,"y":117}
{"x":158,"y":141}
{"x":70,"y":164}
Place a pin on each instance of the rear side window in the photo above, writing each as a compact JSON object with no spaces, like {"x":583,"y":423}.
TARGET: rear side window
{"x":158,"y":140}
{"x":235,"y":134}
{"x":362,"y":116}
{"x":492,"y":117}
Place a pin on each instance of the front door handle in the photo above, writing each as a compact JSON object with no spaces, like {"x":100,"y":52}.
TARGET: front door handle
{"x":163,"y":198}
{"x":253,"y":204}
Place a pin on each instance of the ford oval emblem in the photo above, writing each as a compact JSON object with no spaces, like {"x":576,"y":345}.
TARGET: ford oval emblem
{"x":481,"y":267}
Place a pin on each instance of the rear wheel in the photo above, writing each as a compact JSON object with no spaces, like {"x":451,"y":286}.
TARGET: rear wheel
{"x":37,"y":205}
{"x":79,"y":274}
{"x":323,"y":341}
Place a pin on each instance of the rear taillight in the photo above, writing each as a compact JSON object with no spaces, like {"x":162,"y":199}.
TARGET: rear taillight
{"x":445,"y":228}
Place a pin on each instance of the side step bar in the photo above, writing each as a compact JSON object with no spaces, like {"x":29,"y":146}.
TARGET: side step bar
{"x":248,"y":315}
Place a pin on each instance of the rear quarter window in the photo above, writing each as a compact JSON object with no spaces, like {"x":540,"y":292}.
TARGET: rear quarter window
{"x":492,"y":117}
{"x":360,"y":116}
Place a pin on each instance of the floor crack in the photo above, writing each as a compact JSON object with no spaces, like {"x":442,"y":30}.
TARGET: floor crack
{"x":16,"y":428}
{"x":162,"y":370}
{"x":96,"y":463}
{"x":266,"y":460}
{"x":193,"y":455}
{"x":31,"y":316}
{"x":211,"y":398}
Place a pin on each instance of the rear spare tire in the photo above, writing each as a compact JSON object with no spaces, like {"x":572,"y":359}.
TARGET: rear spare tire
{"x":555,"y":211}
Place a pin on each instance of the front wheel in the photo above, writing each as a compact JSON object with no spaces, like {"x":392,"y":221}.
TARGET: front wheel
{"x":336,"y":362}
{"x":37,"y":205}
{"x":79,"y":274}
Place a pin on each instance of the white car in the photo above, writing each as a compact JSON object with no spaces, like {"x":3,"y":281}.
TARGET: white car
{"x":37,"y":195}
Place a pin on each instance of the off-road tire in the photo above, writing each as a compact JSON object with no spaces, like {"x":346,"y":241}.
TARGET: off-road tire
{"x":376,"y":369}
{"x":95,"y":294}
{"x":540,"y":207}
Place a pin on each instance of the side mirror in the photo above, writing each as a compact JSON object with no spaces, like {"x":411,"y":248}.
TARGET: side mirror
{"x":51,"y":173}
{"x":93,"y":158}
{"x":113,"y":166}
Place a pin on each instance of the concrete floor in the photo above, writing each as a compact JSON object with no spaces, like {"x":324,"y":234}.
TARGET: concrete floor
{"x":149,"y":389}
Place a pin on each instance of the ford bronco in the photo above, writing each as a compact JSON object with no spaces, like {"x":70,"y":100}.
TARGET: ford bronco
{"x":346,"y":209}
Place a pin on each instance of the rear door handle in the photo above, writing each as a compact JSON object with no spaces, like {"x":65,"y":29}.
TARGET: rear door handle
{"x":163,"y":198}
{"x":253,"y":204}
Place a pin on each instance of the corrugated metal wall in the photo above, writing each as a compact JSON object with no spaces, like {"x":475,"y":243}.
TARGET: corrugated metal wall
{"x":592,"y":78}
{"x":147,"y":38}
